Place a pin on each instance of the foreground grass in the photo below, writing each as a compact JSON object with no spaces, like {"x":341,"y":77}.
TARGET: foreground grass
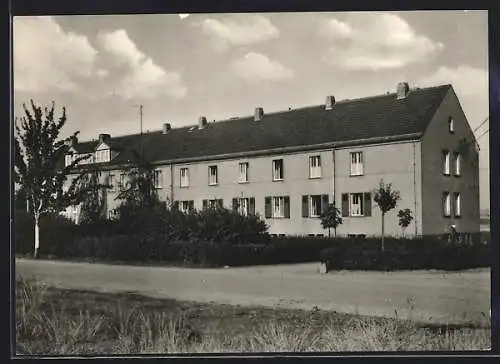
{"x":51,"y":321}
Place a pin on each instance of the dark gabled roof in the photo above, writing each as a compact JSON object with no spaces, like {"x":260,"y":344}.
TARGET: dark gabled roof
{"x":381,"y":116}
{"x":89,"y":146}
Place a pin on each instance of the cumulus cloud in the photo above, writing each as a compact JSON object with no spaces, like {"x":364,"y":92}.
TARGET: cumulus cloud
{"x":47,"y":58}
{"x":466,"y":80}
{"x":255,"y":66}
{"x":141,"y":76}
{"x":368,"y":41}
{"x":239,"y":31}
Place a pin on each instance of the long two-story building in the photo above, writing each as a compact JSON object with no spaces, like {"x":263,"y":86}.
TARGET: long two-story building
{"x":288,"y":166}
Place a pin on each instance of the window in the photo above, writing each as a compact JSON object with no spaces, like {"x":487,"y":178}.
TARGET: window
{"x":446,"y":163}
{"x":458,"y":204}
{"x":244,"y":205}
{"x":315,"y":166}
{"x":446,"y":204}
{"x":186,"y":206}
{"x":278,"y":170}
{"x":122,"y":181}
{"x":357,"y":164}
{"x":315,"y":206}
{"x":243,"y":172}
{"x":451,"y":126}
{"x":158,"y":180}
{"x":102,"y":156}
{"x":456,"y":164}
{"x":357,"y":204}
{"x":68,"y":159}
{"x":111,"y":181}
{"x":212,"y":203}
{"x":184,"y":177}
{"x":277,"y":207}
{"x":212,"y":175}
{"x":112,"y":214}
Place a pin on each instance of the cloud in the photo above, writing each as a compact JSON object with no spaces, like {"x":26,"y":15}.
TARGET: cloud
{"x":102,"y":73}
{"x":245,"y":30}
{"x":47,"y":58}
{"x":381,"y":41}
{"x":141,"y":76}
{"x":255,"y":66}
{"x":466,"y":80}
{"x":336,"y":29}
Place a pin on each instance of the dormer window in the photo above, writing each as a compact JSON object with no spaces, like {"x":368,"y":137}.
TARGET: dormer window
{"x":102,"y":156}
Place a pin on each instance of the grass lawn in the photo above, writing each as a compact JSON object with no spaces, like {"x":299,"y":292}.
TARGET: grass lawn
{"x":52,"y":321}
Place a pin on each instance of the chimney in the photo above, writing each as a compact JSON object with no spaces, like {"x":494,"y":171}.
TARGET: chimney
{"x":330,"y":102}
{"x":202,"y":122}
{"x":103,"y":138}
{"x":166,"y":128}
{"x":402,"y":90}
{"x":259,"y":113}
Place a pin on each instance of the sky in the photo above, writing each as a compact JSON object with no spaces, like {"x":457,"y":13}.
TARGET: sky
{"x":181,"y":67}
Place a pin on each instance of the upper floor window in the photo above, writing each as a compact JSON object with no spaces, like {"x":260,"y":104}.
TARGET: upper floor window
{"x":184,"y":177}
{"x":451,"y":126}
{"x":356,"y":163}
{"x":446,"y":204}
{"x":158,"y":180}
{"x":278,"y":170}
{"x":315,"y":166}
{"x":243,"y":172}
{"x":446,"y":163}
{"x":102,"y":156}
{"x":456,"y":164}
{"x":212,"y":175}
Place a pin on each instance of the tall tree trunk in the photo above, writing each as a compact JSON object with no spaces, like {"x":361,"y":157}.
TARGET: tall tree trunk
{"x":329,"y":233}
{"x":383,"y":232}
{"x":37,"y":237}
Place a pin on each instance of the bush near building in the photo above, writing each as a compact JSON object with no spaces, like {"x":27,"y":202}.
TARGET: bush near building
{"x":220,"y":237}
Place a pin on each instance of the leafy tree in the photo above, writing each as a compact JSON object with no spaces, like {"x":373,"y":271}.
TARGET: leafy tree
{"x":93,"y":201}
{"x":386,"y":199}
{"x":140,"y":190}
{"x":331,"y":218}
{"x":405,"y":218}
{"x":38,"y":154}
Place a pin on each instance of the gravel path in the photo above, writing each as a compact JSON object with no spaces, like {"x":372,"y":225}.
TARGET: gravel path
{"x":423,"y":295}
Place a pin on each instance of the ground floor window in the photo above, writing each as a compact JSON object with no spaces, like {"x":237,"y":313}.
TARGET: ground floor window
{"x":356,"y":204}
{"x":277,"y":207}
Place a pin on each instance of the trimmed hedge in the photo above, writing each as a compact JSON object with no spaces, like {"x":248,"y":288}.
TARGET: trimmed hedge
{"x":430,"y":252}
{"x":219,"y":237}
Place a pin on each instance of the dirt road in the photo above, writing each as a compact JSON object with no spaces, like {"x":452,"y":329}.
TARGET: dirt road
{"x":423,"y":296}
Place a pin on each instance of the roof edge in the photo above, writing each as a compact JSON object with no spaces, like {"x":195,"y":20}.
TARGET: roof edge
{"x":300,"y":148}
